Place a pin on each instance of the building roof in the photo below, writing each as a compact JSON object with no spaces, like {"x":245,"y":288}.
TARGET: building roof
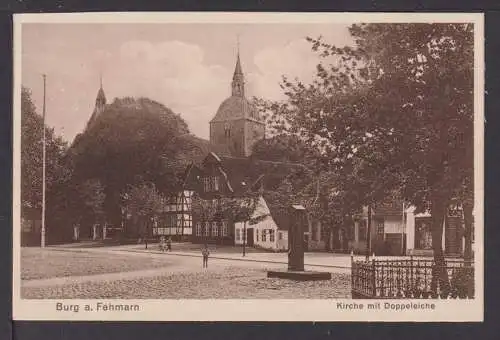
{"x":243,"y":174}
{"x":260,"y":210}
{"x":234,"y":108}
{"x":198,"y":148}
{"x":281,"y":216}
{"x":249,"y":173}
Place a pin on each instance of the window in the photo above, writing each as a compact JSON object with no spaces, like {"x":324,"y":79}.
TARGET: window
{"x":379,"y":224}
{"x":271,"y":235}
{"x":264,"y":235}
{"x":423,"y":234}
{"x":362,"y":230}
{"x":198,"y":229}
{"x":170,"y":220}
{"x":238,"y":234}
{"x":215,"y":229}
{"x":171,"y":205}
{"x":256,"y":234}
{"x":280,"y":236}
{"x":227,"y":130}
{"x":207,"y":229}
{"x":188,"y":220}
{"x":225,"y":231}
{"x":211,"y":183}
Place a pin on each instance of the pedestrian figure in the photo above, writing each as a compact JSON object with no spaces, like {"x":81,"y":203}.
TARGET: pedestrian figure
{"x":169,"y":244}
{"x":205,"y":254}
{"x":162,"y":243}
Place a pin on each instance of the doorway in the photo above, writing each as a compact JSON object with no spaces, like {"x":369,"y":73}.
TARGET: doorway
{"x":250,"y":237}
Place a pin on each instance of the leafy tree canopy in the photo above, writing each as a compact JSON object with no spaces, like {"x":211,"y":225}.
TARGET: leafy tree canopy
{"x":132,"y":141}
{"x":31,"y":154}
{"x":395,"y":111}
{"x":397,"y":106}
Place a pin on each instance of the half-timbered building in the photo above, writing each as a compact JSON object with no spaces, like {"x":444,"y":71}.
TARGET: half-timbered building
{"x":237,"y":178}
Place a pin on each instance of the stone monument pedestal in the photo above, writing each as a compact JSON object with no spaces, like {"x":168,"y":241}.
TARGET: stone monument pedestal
{"x":296,"y":251}
{"x":299,"y":275}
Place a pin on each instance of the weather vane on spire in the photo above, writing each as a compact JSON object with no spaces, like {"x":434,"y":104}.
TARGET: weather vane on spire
{"x":238,"y":43}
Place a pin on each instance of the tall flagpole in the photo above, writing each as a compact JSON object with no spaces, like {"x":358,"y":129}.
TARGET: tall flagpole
{"x":43,"y":166}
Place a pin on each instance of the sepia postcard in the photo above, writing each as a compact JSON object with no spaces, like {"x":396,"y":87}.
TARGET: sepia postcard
{"x":248,"y":166}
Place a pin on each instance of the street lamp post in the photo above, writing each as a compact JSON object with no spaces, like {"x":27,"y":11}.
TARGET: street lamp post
{"x":244,"y":237}
{"x":44,"y":155}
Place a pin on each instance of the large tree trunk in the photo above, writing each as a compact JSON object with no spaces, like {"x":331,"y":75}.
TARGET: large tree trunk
{"x":439,"y":273}
{"x":467,"y":208}
{"x":328,"y":239}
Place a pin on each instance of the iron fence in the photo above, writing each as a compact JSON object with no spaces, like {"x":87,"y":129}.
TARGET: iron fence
{"x":411,"y":279}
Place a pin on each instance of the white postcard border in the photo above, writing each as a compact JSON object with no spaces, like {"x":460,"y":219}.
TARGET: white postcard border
{"x":248,"y":309}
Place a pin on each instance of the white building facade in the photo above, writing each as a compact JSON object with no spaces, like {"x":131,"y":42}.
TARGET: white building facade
{"x":264,"y":234}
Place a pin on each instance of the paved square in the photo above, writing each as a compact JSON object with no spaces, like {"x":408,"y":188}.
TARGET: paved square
{"x":115,"y":274}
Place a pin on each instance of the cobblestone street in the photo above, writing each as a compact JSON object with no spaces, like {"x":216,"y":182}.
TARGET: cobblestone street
{"x":39,"y":263}
{"x":165,"y":276}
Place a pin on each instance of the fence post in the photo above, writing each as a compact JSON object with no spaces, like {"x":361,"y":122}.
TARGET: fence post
{"x":373,"y":279}
{"x":352,"y":275}
{"x":412,"y":283}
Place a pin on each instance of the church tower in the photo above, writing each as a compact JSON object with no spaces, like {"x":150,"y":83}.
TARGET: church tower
{"x":100,"y":104}
{"x":237,"y":125}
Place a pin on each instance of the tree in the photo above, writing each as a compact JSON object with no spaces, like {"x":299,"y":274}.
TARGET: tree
{"x":281,"y":148}
{"x":91,"y":198}
{"x":316,"y":188}
{"x":327,"y":195}
{"x":132,"y":141}
{"x":398,"y":108}
{"x":143,"y":202}
{"x":324,"y":198}
{"x":31,"y":155}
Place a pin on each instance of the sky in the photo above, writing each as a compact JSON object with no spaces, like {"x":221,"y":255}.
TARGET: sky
{"x":186,"y":67}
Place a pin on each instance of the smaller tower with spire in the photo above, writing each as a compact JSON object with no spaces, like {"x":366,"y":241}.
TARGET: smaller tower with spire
{"x":100,"y":104}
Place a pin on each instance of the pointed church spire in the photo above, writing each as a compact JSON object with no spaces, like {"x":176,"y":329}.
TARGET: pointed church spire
{"x":238,"y":84}
{"x":100,"y":104}
{"x":237,"y":69}
{"x":101,"y":97}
